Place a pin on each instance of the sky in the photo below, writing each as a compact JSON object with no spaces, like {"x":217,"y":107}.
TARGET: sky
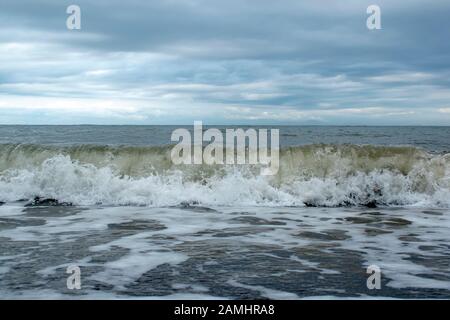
{"x":225,"y":62}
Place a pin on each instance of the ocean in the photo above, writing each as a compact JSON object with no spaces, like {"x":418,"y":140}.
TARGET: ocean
{"x":109,"y":201}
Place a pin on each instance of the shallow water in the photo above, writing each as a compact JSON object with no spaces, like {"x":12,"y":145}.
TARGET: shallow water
{"x":223,"y":252}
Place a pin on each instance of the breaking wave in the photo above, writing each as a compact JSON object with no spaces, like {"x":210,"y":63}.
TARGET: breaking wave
{"x":313,"y":175}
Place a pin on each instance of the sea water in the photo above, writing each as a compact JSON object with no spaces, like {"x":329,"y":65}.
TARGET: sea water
{"x":137,"y":226}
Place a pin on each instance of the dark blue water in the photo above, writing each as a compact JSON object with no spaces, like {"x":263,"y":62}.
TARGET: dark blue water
{"x":433,"y":139}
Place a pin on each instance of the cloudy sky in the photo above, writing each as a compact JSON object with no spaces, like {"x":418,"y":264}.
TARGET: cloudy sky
{"x":225,"y":62}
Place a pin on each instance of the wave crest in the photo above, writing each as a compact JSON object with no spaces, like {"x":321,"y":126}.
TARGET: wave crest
{"x":316,"y":175}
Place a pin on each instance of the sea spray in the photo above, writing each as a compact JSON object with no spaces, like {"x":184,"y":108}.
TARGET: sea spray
{"x":313,"y":175}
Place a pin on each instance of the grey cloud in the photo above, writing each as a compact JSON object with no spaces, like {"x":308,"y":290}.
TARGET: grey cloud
{"x":279,"y":55}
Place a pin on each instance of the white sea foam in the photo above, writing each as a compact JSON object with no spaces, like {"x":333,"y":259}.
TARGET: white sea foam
{"x":194,"y":241}
{"x":311,"y":175}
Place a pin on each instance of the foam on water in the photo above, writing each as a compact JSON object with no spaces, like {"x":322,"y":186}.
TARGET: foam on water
{"x":317,"y":175}
{"x":142,"y":227}
{"x":276,"y":253}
